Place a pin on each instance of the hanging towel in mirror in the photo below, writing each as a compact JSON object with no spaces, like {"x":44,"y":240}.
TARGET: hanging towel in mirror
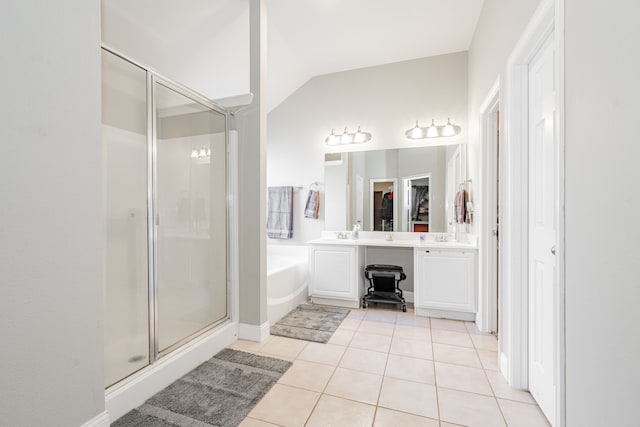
{"x":280,"y":213}
{"x":463,"y":216}
{"x":313,"y":204}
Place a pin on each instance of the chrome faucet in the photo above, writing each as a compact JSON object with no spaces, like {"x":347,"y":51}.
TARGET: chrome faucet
{"x":341,"y":235}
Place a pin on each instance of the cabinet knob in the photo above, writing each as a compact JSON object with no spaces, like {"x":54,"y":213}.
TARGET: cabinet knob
{"x":428,"y":252}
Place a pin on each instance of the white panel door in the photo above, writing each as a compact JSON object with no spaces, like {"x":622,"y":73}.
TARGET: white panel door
{"x":543,"y":216}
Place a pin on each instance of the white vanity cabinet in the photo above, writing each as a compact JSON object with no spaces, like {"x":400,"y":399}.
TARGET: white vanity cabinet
{"x":335,"y":274}
{"x":445,"y":283}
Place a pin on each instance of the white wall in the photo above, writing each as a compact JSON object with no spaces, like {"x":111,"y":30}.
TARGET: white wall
{"x":52,"y":217}
{"x":499,"y":27}
{"x":385,"y":100}
{"x":602,"y":263}
{"x":202,"y":44}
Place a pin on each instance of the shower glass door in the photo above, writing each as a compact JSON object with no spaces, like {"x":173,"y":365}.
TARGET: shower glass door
{"x":125,"y":142}
{"x":165,"y":177}
{"x":190,"y":216}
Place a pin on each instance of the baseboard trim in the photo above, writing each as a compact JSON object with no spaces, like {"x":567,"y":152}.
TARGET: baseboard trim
{"x":408,"y":296}
{"x":257,"y":333}
{"x":100,"y":420}
{"x":135,"y":390}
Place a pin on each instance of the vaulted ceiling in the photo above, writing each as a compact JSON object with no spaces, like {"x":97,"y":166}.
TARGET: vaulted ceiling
{"x":204,"y":43}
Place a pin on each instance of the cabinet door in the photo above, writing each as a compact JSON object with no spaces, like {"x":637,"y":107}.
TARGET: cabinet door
{"x":445,"y":280}
{"x":331,"y":269}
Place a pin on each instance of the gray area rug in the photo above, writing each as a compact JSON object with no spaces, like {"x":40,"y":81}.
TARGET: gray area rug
{"x":220,"y":392}
{"x":310,"y":322}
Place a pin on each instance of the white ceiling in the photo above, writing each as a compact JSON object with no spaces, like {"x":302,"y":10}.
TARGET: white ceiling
{"x":307,"y":38}
{"x":204,"y":43}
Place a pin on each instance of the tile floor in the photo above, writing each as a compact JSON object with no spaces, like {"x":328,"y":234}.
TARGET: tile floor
{"x":385,"y":368}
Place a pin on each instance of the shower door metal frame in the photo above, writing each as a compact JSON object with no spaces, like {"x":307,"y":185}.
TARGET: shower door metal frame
{"x":152,"y":79}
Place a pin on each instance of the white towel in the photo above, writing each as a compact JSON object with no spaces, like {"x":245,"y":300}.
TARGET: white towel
{"x":280,"y":213}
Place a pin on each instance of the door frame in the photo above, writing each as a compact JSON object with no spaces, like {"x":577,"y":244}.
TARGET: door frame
{"x":487,"y":318}
{"x":406,"y":195}
{"x":547,"y":20}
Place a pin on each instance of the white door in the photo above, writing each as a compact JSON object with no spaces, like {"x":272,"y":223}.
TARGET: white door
{"x":543,"y":217}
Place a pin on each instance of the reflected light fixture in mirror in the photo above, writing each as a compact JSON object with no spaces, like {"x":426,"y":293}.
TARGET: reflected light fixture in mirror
{"x":433,"y":131}
{"x":357,"y":137}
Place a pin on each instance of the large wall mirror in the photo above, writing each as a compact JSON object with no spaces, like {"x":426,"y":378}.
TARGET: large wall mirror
{"x":403,"y":189}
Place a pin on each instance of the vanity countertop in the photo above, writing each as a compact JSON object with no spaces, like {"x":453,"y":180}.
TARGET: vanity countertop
{"x":398,"y":243}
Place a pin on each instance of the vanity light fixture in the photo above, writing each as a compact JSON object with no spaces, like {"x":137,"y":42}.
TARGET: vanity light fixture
{"x":346,"y":137}
{"x":433,"y":131}
{"x":200,"y":153}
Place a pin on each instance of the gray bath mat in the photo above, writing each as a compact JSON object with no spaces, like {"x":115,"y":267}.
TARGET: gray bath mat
{"x":310,"y":322}
{"x":220,"y":392}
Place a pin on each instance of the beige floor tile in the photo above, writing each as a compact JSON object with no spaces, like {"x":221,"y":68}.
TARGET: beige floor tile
{"x":283,"y":347}
{"x":249,"y":346}
{"x":520,"y":414}
{"x":489,"y":359}
{"x":390,"y":418}
{"x":485,"y":342}
{"x":412,"y":348}
{"x":307,"y":375}
{"x":328,"y":354}
{"x":410,"y":368}
{"x":350,"y":324}
{"x":462,"y":378}
{"x":341,"y":337}
{"x":378,"y":328}
{"x":448,"y":324}
{"x":412,"y":332}
{"x":456,"y":355}
{"x":502,"y":389}
{"x":359,"y":359}
{"x":413,"y":320}
{"x":381,"y":316}
{"x":371,"y":342}
{"x":285,"y":406}
{"x":252,"y":422}
{"x":451,"y":337}
{"x":356,"y":314}
{"x":472,"y":328}
{"x":355,"y":385}
{"x":408,"y":396}
{"x":335,"y":411}
{"x":445,"y":424}
{"x":469,"y":409}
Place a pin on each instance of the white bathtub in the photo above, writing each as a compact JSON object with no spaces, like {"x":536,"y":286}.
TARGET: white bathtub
{"x":287,"y":274}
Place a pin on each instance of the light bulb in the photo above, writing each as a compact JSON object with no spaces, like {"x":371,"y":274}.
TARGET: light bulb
{"x":359,"y":136}
{"x":332,"y":139}
{"x":208,"y":152}
{"x":194,"y":154}
{"x":432,"y":130}
{"x":448,"y":129}
{"x":202,"y":153}
{"x":346,"y":137}
{"x":416,"y":132}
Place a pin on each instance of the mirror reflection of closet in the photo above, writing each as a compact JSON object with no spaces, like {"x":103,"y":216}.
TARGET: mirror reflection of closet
{"x":417,"y":203}
{"x":383,"y":204}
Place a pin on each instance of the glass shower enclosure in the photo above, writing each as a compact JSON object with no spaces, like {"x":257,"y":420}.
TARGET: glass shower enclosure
{"x":165,"y":175}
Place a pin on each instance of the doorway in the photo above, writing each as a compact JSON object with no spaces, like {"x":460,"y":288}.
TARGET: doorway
{"x":533,"y":340}
{"x":489,"y":316}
